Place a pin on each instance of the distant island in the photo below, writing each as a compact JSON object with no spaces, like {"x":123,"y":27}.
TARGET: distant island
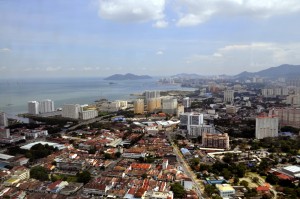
{"x":127,"y":76}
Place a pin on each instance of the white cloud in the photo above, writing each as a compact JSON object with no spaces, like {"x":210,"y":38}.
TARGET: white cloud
{"x":194,"y":12}
{"x":131,"y":10}
{"x":232,"y":59}
{"x":2,"y":68}
{"x":87,"y":68}
{"x":160,"y":24}
{"x":160,"y":52}
{"x":51,"y":69}
{"x":5,"y":50}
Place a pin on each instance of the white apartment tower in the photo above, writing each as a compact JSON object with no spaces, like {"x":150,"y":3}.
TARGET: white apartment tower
{"x":151,"y":94}
{"x":169,"y":105}
{"x":3,"y":119}
{"x":266,"y":126}
{"x":229,"y":96}
{"x":186,"y":102}
{"x":71,"y":111}
{"x":46,"y":106}
{"x":289,"y":117}
{"x":33,"y":107}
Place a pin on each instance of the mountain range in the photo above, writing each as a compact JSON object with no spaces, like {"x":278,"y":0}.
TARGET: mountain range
{"x":285,"y":70}
{"x":128,"y":76}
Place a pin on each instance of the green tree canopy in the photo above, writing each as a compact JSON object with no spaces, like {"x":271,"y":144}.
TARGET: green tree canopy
{"x":39,"y":173}
{"x":84,"y":177}
{"x":178,"y":190}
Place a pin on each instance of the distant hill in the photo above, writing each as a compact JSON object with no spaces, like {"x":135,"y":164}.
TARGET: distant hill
{"x":285,"y":70}
{"x":127,"y":76}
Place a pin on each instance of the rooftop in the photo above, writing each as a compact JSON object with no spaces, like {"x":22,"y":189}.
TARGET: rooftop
{"x":224,"y":187}
{"x":5,"y":157}
{"x":293,"y":169}
{"x":28,"y":146}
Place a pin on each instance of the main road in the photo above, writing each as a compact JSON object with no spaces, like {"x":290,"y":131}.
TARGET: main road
{"x":185,"y":166}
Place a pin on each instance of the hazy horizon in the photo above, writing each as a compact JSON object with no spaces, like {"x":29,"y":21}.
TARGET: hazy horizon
{"x":91,"y":38}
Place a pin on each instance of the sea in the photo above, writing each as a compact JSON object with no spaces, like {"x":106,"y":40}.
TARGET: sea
{"x":15,"y":93}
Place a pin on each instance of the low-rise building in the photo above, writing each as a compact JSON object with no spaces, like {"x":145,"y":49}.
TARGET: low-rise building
{"x":210,"y":140}
{"x":225,"y":190}
{"x":70,"y":164}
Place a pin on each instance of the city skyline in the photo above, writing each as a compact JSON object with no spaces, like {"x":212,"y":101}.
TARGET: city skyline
{"x":101,"y":38}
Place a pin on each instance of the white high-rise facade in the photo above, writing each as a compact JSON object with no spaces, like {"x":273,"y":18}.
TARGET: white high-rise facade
{"x":169,"y":105}
{"x":3,"y":119}
{"x":186,"y":102}
{"x":289,"y":117}
{"x":266,"y":126}
{"x":46,"y":106}
{"x":194,"y":124}
{"x":151,"y":94}
{"x":71,"y":111}
{"x":229,"y":96}
{"x":33,"y":107}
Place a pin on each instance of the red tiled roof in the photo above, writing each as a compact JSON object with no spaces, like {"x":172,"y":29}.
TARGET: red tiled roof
{"x":140,"y":166}
{"x":262,"y":188}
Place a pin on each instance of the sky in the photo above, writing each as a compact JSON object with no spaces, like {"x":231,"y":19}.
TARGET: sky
{"x":58,"y":38}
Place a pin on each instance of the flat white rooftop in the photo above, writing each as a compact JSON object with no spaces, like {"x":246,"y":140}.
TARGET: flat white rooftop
{"x":5,"y":157}
{"x":293,"y":169}
{"x":28,"y":146}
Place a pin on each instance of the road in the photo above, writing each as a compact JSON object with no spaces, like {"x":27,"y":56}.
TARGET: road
{"x":185,"y":166}
{"x":97,"y":119}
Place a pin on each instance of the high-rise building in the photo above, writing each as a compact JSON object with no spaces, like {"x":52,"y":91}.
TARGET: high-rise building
{"x":194,"y":124}
{"x":121,"y":104}
{"x":289,"y":117}
{"x":266,"y":126}
{"x":4,"y":133}
{"x":212,"y":140}
{"x":33,"y":107}
{"x":187,"y":119}
{"x":186,"y":102}
{"x":229,"y":96}
{"x":272,"y":92}
{"x":88,"y":114}
{"x":46,"y":106}
{"x":293,"y":100}
{"x":180,"y":110}
{"x":3,"y":119}
{"x":139,"y":106}
{"x":169,"y":105}
{"x":153,"y":104}
{"x":151,"y":94}
{"x":71,"y":111}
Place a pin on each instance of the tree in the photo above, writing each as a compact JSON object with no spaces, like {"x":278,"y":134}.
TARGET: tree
{"x":272,"y":179}
{"x":144,"y":175}
{"x":39,"y":173}
{"x":118,"y":154}
{"x":228,"y":158}
{"x":83,"y":177}
{"x":236,"y":180}
{"x":244,"y":183}
{"x":178,"y":190}
{"x":226,"y":173}
{"x":210,"y":189}
{"x":241,"y":170}
{"x":255,"y":180}
{"x":107,"y":156}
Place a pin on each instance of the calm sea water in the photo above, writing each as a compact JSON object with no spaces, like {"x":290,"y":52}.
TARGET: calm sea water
{"x":14,"y":94}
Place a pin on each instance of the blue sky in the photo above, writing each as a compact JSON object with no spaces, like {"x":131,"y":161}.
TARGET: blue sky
{"x":40,"y":38}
